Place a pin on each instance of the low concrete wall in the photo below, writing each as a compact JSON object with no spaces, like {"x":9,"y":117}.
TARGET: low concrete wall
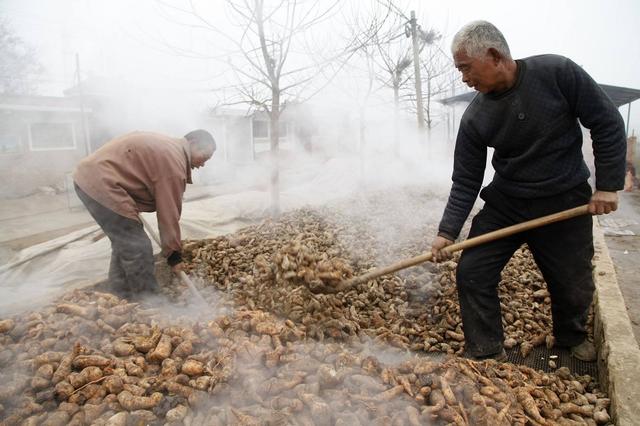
{"x":618,"y":352}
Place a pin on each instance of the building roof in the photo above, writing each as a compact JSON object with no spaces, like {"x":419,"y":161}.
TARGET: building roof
{"x":40,"y":103}
{"x":619,"y":95}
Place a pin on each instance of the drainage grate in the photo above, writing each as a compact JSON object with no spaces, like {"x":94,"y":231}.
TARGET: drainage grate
{"x":540,"y":356}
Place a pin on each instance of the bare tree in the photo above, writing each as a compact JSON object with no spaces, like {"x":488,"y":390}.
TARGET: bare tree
{"x":18,"y":64}
{"x":396,"y":58}
{"x":363,"y":82}
{"x":267,"y":58}
{"x":436,"y":76}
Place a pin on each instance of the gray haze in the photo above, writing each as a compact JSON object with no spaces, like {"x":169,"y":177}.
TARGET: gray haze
{"x":129,"y":41}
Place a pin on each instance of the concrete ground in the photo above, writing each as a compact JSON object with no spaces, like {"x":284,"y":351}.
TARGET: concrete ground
{"x":42,"y":217}
{"x":38,"y":218}
{"x":622,"y":235}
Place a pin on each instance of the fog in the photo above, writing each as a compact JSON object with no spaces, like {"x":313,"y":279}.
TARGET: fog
{"x":164,"y":67}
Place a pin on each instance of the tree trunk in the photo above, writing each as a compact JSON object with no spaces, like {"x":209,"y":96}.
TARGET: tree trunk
{"x":275,"y":152}
{"x":362,"y":137}
{"x":396,"y":124}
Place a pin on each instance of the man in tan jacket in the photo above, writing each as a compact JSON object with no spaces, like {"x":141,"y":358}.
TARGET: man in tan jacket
{"x":133,"y":173}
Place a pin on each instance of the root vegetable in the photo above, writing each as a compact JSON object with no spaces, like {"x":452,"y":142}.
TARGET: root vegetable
{"x":123,"y":349}
{"x":134,"y":389}
{"x":64,"y":369}
{"x":413,"y":416}
{"x":6,"y":325}
{"x":83,"y":361}
{"x":131,"y":403}
{"x":525,"y":349}
{"x":451,"y":415}
{"x":243,"y":419}
{"x":169,"y":368}
{"x":601,"y":417}
{"x":529,"y":404}
{"x":176,"y":414}
{"x":192,"y":368}
{"x":87,"y":375}
{"x":202,"y":383}
{"x":571,"y":408}
{"x":92,"y":411}
{"x":119,"y":419}
{"x":39,"y":383}
{"x":437,"y":402}
{"x":455,"y":336}
{"x":280,"y":402}
{"x":80,"y":311}
{"x":113,"y":384}
{"x":49,"y":357}
{"x":447,"y":392}
{"x":145,"y":344}
{"x":391,"y":393}
{"x":161,"y":351}
{"x":64,"y":390}
{"x":57,"y":418}
{"x":133,"y":369}
{"x":275,"y":386}
{"x":179,"y":389}
{"x":69,"y":408}
{"x":320,"y":411}
{"x":183,"y":350}
{"x":45,"y":371}
{"x":328,"y":377}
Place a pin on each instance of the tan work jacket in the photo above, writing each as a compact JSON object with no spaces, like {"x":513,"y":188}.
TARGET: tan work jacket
{"x":140,"y":172}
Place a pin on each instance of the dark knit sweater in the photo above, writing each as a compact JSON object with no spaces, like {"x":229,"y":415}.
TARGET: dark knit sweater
{"x":534,"y":130}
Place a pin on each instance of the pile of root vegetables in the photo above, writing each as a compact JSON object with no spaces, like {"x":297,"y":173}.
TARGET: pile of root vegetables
{"x":282,"y":266}
{"x":268,"y":350}
{"x":92,"y":358}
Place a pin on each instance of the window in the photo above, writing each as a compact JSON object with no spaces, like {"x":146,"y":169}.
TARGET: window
{"x":51,"y":136}
{"x":9,"y":137}
{"x":9,"y":144}
{"x":260,"y":129}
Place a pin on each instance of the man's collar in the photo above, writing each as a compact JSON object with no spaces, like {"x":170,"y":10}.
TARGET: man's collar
{"x":187,"y":153}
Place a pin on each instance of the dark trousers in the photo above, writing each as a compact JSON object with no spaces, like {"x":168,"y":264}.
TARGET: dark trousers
{"x":562,"y":250}
{"x":132,"y":265}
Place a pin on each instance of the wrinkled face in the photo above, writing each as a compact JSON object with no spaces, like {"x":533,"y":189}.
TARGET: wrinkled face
{"x":199,"y":156}
{"x":481,"y":73}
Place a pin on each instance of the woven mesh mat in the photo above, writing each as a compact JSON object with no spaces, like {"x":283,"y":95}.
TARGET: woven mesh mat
{"x":540,"y":356}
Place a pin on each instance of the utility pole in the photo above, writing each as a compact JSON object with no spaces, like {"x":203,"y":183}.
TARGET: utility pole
{"x":416,"y":69}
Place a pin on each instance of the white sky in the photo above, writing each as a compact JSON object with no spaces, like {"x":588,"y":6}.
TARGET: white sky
{"x":115,"y":37}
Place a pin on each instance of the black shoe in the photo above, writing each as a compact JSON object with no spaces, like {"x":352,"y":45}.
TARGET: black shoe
{"x":499,"y":357}
{"x":585,"y":351}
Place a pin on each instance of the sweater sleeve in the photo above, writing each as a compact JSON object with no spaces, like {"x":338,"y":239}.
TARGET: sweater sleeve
{"x":470,"y":159}
{"x":596,"y":111}
{"x":168,"y":195}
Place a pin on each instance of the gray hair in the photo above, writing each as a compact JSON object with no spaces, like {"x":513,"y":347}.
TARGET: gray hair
{"x":478,"y":36}
{"x":201,"y":138}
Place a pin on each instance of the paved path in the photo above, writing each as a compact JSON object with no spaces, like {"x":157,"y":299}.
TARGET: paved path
{"x":622,"y":234}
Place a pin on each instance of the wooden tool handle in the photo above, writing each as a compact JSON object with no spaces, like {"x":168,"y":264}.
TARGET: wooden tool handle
{"x":471,"y":242}
{"x":181,"y":274}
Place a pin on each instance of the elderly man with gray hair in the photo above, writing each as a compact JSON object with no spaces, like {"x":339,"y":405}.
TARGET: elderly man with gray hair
{"x":133,"y":173}
{"x":529,"y":111}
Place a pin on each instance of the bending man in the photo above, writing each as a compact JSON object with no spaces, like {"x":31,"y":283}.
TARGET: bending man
{"x":140,"y":172}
